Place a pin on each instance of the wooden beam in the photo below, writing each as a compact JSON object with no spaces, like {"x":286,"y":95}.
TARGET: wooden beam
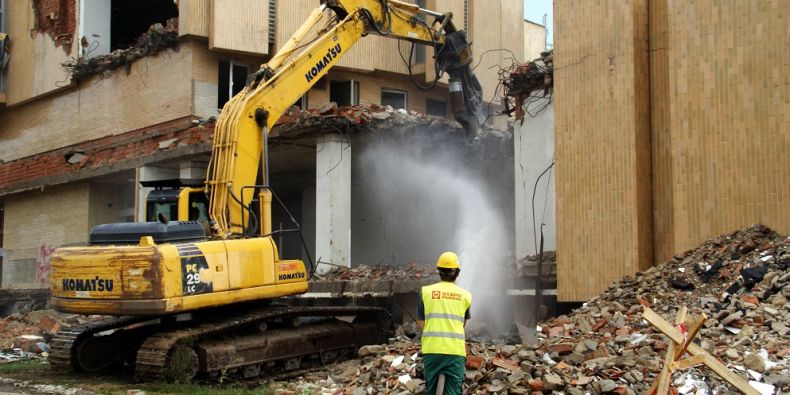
{"x":674,"y":334}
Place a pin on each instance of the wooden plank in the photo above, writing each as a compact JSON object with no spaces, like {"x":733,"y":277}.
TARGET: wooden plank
{"x":674,"y":334}
{"x":240,"y":26}
{"x":665,"y":377}
{"x":689,"y":362}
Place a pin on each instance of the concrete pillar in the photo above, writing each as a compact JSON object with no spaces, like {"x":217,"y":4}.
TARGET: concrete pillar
{"x":533,"y":149}
{"x":333,"y":202}
{"x":193,"y":170}
{"x":149,"y":173}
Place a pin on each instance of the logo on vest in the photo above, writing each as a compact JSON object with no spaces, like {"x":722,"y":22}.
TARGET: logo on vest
{"x":436,"y":295}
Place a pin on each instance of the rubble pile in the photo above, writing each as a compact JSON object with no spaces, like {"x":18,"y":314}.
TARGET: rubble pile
{"x":158,"y":38}
{"x":296,"y":124}
{"x":26,"y":335}
{"x":411,"y":270}
{"x":528,"y":266}
{"x":524,"y":80}
{"x":739,"y":281}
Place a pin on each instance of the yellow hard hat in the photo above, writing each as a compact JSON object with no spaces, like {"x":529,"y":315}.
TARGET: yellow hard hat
{"x":448,"y":260}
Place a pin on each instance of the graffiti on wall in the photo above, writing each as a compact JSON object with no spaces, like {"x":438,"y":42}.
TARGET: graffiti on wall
{"x":42,"y":264}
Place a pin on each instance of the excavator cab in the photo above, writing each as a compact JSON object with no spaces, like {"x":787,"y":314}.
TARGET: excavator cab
{"x":172,"y":201}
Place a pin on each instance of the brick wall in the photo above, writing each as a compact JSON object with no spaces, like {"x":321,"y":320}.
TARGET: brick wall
{"x":100,"y":154}
{"x":667,"y":137}
{"x":58,"y":19}
{"x":35,"y":223}
{"x":602,"y":141}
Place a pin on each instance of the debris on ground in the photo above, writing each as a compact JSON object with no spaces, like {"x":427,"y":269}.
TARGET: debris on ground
{"x":158,"y":38}
{"x":27,"y":335}
{"x":739,"y":280}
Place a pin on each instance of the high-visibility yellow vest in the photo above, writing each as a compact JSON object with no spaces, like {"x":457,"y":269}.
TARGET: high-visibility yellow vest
{"x":445,"y":308}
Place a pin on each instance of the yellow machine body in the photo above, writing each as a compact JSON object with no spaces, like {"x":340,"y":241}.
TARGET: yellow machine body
{"x":156,"y":279}
{"x":232,"y":265}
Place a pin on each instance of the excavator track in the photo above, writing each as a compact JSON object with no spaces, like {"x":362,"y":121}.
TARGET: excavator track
{"x":64,"y":356}
{"x":245,"y":342}
{"x":207,"y":347}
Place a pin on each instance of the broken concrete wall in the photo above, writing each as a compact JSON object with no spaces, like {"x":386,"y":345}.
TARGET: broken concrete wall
{"x":533,"y":144}
{"x":41,"y":34}
{"x":36,"y":223}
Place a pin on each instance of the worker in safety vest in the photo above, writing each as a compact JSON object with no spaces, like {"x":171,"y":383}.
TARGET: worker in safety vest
{"x":442,"y":312}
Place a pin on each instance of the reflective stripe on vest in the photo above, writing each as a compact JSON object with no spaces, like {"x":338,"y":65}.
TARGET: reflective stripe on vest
{"x":445,"y":308}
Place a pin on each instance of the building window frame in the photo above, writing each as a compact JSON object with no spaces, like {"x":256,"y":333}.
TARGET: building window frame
{"x":233,"y":78}
{"x":302,"y":102}
{"x":353,"y":91}
{"x":391,"y":91}
{"x":435,"y":103}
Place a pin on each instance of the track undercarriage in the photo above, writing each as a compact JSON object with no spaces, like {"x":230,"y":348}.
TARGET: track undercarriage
{"x":244,"y":342}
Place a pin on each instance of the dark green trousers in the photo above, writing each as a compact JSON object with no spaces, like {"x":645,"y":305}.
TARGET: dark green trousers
{"x":452,"y":366}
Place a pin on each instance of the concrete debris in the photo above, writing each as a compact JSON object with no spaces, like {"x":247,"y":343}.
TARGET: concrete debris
{"x":606,"y":347}
{"x":528,"y":266}
{"x":158,"y":38}
{"x":26,"y":335}
{"x":528,"y":83}
{"x":412,"y":270}
{"x":298,"y":124}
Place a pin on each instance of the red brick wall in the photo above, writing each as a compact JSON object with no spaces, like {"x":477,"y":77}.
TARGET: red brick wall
{"x":58,"y":19}
{"x":103,"y":152}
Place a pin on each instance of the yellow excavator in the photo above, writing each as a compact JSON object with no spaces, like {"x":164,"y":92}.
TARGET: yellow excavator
{"x":192,"y":298}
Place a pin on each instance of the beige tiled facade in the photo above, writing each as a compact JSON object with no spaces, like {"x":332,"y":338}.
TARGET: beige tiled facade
{"x":673,"y":126}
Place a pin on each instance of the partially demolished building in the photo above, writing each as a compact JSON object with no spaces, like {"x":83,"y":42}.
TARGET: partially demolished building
{"x":100,"y":95}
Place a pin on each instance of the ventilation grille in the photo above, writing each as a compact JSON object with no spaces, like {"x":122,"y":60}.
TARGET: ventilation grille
{"x":272,"y":21}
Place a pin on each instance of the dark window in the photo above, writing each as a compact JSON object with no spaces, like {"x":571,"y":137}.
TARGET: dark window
{"x":131,"y":18}
{"x":344,"y":93}
{"x":436,"y":107}
{"x":302,"y":102}
{"x":396,"y":99}
{"x":231,"y":80}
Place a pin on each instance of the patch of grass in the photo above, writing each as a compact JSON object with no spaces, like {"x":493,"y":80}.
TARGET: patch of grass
{"x":199,"y":389}
{"x":23,"y":366}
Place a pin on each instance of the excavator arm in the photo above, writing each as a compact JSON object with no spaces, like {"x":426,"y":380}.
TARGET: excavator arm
{"x":240,"y":140}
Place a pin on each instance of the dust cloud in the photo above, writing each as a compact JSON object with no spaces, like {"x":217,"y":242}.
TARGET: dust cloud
{"x":434,"y":196}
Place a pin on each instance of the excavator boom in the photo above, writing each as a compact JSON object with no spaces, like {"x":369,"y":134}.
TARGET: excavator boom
{"x":242,"y":128}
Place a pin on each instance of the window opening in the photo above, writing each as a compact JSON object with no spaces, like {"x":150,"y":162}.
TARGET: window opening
{"x":231,"y":80}
{"x":301,"y":102}
{"x":198,"y":204}
{"x":436,"y":107}
{"x":344,"y":93}
{"x":131,"y":18}
{"x":394,"y":98}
